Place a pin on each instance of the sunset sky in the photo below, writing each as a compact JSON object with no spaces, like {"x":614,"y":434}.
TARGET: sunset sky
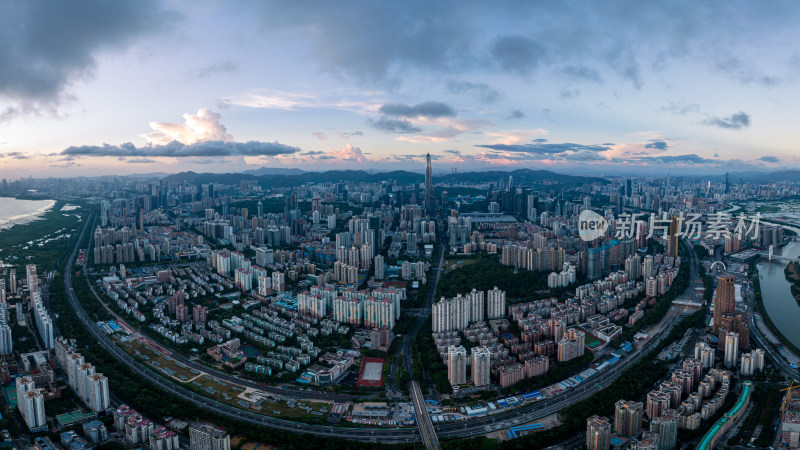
{"x":617,"y":87}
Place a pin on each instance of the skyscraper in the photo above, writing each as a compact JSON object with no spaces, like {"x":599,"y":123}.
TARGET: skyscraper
{"x":674,"y":231}
{"x":628,"y":418}
{"x":457,"y":365}
{"x":428,"y":185}
{"x":207,"y":437}
{"x":725,"y":301}
{"x":598,"y":433}
{"x":481,"y":366}
{"x":731,"y":349}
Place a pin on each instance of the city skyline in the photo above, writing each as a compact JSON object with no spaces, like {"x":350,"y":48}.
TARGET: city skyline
{"x":605,"y":89}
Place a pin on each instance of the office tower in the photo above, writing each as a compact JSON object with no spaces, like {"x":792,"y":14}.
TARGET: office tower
{"x":207,"y":437}
{"x":598,"y":433}
{"x":428,"y":185}
{"x":666,"y":426}
{"x":495,"y":303}
{"x":260,"y":209}
{"x":457,"y":365}
{"x":725,"y":301}
{"x":674,"y":232}
{"x":628,"y":418}
{"x":731,"y":349}
{"x":481,"y":366}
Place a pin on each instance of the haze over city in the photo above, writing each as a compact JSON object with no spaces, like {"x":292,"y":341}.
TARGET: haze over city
{"x":92,"y":88}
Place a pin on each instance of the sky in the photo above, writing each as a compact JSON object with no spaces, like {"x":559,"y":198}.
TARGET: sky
{"x":92,"y":87}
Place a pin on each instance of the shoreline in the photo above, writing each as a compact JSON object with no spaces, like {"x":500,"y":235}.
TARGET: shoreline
{"x":24,"y":219}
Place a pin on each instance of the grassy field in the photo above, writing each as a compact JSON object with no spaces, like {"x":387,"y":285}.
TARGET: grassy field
{"x":158,"y":361}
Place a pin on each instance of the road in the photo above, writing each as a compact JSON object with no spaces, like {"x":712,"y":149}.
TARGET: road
{"x":472,"y":427}
{"x":424,"y":423}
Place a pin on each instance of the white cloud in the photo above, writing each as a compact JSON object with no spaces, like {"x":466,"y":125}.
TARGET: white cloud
{"x":203,"y":126}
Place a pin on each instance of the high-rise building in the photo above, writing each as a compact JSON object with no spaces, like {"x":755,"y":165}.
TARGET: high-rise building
{"x":428,"y":185}
{"x":598,"y":433}
{"x":674,"y":236}
{"x":725,"y":301}
{"x":481,"y":366}
{"x":495,"y":303}
{"x":457,"y":365}
{"x":658,"y":402}
{"x":705,"y":353}
{"x":731,"y":349}
{"x":628,"y":418}
{"x":98,"y":399}
{"x":666,"y":426}
{"x":207,"y":437}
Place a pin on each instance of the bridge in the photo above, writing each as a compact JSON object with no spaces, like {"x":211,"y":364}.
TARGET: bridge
{"x":770,"y":255}
{"x":424,"y":423}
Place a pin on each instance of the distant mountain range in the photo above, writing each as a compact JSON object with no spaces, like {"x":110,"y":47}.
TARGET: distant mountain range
{"x":292,"y":177}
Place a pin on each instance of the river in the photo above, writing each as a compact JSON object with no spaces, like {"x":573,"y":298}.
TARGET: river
{"x":776,"y":292}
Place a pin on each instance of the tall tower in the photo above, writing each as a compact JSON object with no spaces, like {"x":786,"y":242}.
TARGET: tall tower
{"x":428,"y":184}
{"x":725,"y":301}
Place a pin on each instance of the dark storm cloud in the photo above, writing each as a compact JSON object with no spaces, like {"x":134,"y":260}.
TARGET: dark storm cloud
{"x":732,"y":122}
{"x":517,"y":54}
{"x":393,"y":125}
{"x":48,"y":45}
{"x":177,"y":150}
{"x":380,"y":41}
{"x":770,"y":159}
{"x":657,"y":144}
{"x":424,"y":109}
{"x":482,"y":91}
{"x":542,"y":148}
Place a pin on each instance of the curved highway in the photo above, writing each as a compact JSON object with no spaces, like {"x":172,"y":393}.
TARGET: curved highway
{"x":388,"y":435}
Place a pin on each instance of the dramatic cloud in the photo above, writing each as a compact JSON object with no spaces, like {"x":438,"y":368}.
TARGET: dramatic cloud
{"x":176,"y":149}
{"x":198,"y":127}
{"x":482,"y":91}
{"x":677,"y":159}
{"x":49,"y":45}
{"x":770,"y":159}
{"x":518,"y":55}
{"x":349,"y":153}
{"x":393,"y":125}
{"x":732,"y":122}
{"x":542,"y":148}
{"x":425,"y":109}
{"x":657,"y":144}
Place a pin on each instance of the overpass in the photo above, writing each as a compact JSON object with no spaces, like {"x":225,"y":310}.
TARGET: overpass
{"x":424,"y":423}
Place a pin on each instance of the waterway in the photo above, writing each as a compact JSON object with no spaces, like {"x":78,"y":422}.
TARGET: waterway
{"x":14,"y":211}
{"x":777,"y":295}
